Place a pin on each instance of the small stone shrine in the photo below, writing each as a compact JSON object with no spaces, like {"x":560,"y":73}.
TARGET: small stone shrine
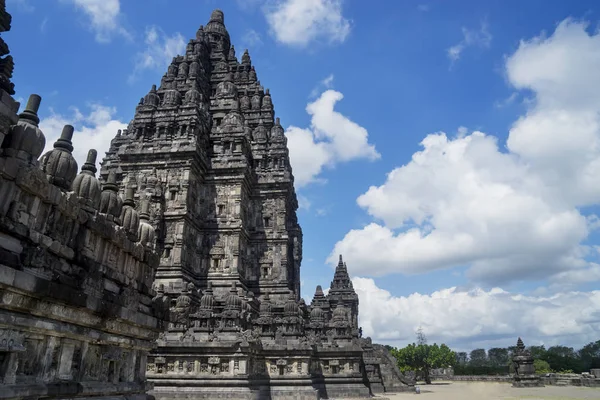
{"x":524,"y":375}
{"x":176,"y":271}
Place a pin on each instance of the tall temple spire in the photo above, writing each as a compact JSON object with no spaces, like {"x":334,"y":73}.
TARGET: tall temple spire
{"x":341,"y":279}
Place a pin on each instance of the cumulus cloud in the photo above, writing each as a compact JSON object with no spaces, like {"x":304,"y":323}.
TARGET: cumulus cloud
{"x":159,"y":52}
{"x":301,"y":22}
{"x":507,"y":214}
{"x":477,"y":318}
{"x":93,"y":130}
{"x":481,"y":38}
{"x":331,"y":138}
{"x":104,"y":17}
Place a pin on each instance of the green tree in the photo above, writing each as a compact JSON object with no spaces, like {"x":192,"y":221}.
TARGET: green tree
{"x":563,"y":358}
{"x":538,"y":352}
{"x":461,"y":358}
{"x":478,"y":358}
{"x":541,"y":366}
{"x":590,"y":355}
{"x":498,"y":356}
{"x":422,"y":357}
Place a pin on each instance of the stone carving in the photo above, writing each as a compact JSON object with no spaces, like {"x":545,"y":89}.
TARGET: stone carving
{"x":195,"y":199}
{"x":83,"y":310}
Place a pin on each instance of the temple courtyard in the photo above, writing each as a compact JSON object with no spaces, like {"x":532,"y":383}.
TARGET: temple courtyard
{"x":497,"y":391}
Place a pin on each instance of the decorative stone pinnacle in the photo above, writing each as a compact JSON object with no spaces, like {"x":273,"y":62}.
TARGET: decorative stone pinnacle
{"x":90,"y":163}
{"x":145,"y":210}
{"x":319,"y":291}
{"x":111,"y":182}
{"x":30,"y":112}
{"x":277,"y":121}
{"x":64,"y":142}
{"x":129,"y":197}
{"x":217,"y":16}
{"x":153,"y":88}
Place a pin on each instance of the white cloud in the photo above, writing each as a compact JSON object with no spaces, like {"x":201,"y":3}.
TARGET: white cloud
{"x":326,"y":83}
{"x":94,"y":130}
{"x":331,"y":138}
{"x":481,"y":38}
{"x":507,"y":215}
{"x":467,"y":320}
{"x":300,"y":22}
{"x":105,"y":18}
{"x":252,"y":39}
{"x":159,"y":52}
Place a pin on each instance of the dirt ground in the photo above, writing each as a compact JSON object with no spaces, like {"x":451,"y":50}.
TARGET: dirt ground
{"x":497,"y":391}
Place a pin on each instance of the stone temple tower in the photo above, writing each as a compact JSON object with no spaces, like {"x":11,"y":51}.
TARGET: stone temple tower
{"x":207,"y":161}
{"x":208,"y":153}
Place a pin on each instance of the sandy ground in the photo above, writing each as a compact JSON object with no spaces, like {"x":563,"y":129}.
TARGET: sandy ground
{"x":497,"y":391}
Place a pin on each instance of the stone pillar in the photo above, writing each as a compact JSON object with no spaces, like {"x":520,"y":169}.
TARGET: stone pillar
{"x":66,"y":360}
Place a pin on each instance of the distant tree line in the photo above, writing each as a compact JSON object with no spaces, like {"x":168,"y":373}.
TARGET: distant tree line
{"x":498,"y":360}
{"x":421,"y":358}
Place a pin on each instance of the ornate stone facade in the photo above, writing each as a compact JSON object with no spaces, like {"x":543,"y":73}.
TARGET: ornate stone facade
{"x":180,"y":263}
{"x":76,"y":317}
{"x":206,"y":152}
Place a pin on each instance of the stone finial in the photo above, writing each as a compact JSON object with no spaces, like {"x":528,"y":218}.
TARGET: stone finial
{"x":277,"y":135}
{"x":319,"y":291}
{"x":31,"y":109}
{"x":130,"y":218}
{"x":152,"y":99}
{"x":246,"y":58}
{"x":25,"y":139}
{"x":520,"y":345}
{"x":85,"y":185}
{"x":217,"y":16}
{"x":110,"y":202}
{"x":146,"y":231}
{"x":90,"y":162}
{"x":207,"y":301}
{"x":267,"y":103}
{"x":58,"y":164}
{"x":252,"y":75}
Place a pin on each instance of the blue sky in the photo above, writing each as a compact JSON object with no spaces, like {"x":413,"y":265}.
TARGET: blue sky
{"x":482,"y":237}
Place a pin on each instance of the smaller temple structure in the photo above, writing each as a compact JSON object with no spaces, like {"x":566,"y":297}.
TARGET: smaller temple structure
{"x":524,"y":375}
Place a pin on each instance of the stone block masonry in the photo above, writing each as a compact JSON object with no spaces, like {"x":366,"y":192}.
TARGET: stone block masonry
{"x":175,"y":272}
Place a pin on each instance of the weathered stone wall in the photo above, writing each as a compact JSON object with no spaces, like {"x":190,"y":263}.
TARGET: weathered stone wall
{"x":76,"y":268}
